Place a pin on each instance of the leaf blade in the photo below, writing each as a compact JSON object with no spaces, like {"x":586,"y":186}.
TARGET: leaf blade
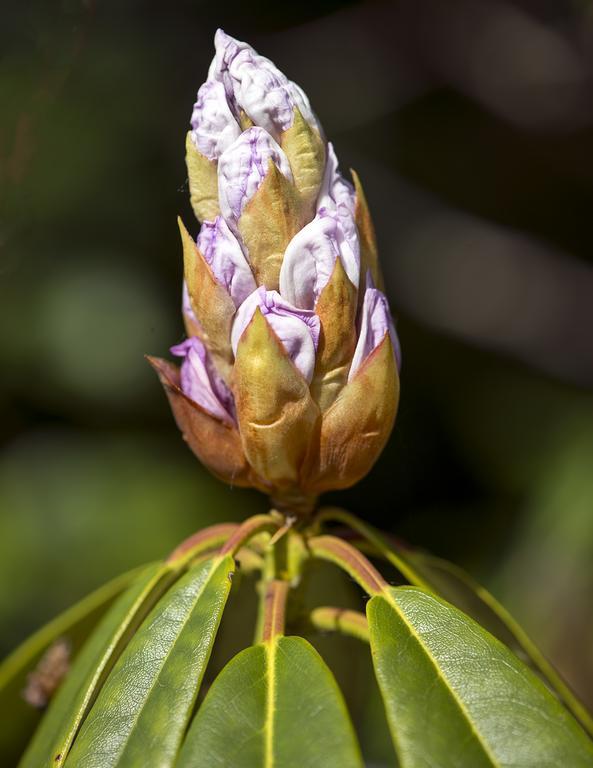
{"x":457,"y":587}
{"x":141,"y":712}
{"x":456,"y":696}
{"x":261,"y":705}
{"x":56,"y":732}
{"x":75,"y":624}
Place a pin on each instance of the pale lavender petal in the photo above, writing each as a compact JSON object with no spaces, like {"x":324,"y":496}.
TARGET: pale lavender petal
{"x":243,"y":167}
{"x":375,"y":322}
{"x":200,"y":380}
{"x":221,"y":250}
{"x":254,"y":84}
{"x":214,"y":127}
{"x":311,"y":255}
{"x":335,"y":190}
{"x":297,"y":329}
{"x":186,"y":306}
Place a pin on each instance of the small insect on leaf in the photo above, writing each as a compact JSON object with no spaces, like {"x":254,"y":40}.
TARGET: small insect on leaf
{"x":48,"y":674}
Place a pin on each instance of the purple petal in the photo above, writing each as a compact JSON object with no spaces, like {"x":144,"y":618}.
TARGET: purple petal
{"x":220,"y":249}
{"x":253,"y":84}
{"x":186,"y":306}
{"x":297,"y":329}
{"x":311,"y":255}
{"x":214,"y":127}
{"x":201,"y":382}
{"x":335,"y":190}
{"x":375,"y":322}
{"x":243,"y":167}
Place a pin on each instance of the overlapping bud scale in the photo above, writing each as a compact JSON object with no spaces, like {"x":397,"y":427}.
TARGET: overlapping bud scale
{"x":289,"y":375}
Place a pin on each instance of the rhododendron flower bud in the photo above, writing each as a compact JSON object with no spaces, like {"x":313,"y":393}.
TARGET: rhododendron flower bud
{"x":296,"y":329}
{"x":289,"y":375}
{"x":202,"y":382}
{"x":213,"y":126}
{"x":226,"y":259}
{"x":256,"y":88}
{"x":335,"y":190}
{"x":375,"y":323}
{"x":311,"y":255}
{"x":242,"y":169}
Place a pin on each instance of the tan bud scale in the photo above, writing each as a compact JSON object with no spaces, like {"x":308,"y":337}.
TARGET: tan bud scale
{"x":275,"y":410}
{"x":210,"y":302}
{"x":202,"y":175}
{"x":268,"y":223}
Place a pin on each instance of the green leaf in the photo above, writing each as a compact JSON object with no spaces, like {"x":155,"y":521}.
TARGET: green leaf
{"x":274,"y":704}
{"x":19,"y":718}
{"x":459,"y":588}
{"x":456,"y":696}
{"x":141,"y":713}
{"x":73,"y":699}
{"x":451,"y":582}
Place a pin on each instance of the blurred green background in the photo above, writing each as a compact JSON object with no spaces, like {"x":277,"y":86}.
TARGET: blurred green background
{"x":471,"y":125}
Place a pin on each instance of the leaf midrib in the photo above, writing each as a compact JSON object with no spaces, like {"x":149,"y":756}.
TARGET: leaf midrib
{"x":124,"y":745}
{"x":106,"y":662}
{"x":270,"y":704}
{"x":466,"y":715}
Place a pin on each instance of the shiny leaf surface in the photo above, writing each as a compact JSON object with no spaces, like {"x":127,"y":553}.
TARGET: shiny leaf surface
{"x":54,"y":736}
{"x":142,"y":710}
{"x":456,"y":696}
{"x":74,"y":625}
{"x":459,"y":588}
{"x":275,"y":704}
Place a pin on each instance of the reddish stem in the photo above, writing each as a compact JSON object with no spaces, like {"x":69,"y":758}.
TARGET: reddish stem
{"x":207,"y":538}
{"x":350,"y":560}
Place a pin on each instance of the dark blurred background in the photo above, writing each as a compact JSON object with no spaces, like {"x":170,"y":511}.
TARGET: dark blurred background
{"x":471,"y":125}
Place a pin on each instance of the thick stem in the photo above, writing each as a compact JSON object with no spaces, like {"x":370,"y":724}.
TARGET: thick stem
{"x":276,"y":570}
{"x":294,"y":504}
{"x":250,"y":528}
{"x":274,"y":609}
{"x":202,"y":541}
{"x":374,"y":537}
{"x":350,"y":560}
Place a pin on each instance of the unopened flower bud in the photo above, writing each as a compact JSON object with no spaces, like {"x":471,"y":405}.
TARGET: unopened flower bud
{"x":202,"y":382}
{"x":375,"y":324}
{"x":226,"y":259}
{"x":296,"y":329}
{"x":335,"y":190}
{"x":242,"y":169}
{"x":289,"y":378}
{"x":213,"y":126}
{"x":256,"y":87}
{"x":311,"y":255}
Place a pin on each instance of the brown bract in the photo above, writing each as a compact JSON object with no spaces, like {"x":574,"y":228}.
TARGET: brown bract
{"x":369,"y":258}
{"x":210,"y":302}
{"x":356,"y":427}
{"x":203,"y":182}
{"x":276,"y":413}
{"x":336,"y":309}
{"x":217,"y":444}
{"x":268,"y":223}
{"x":305,"y":151}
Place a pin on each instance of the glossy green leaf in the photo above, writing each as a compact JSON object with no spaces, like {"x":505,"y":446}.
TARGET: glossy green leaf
{"x":73,"y":699}
{"x":277,"y":705}
{"x":19,"y":718}
{"x":141,"y":713}
{"x":456,"y":696}
{"x":459,"y":588}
